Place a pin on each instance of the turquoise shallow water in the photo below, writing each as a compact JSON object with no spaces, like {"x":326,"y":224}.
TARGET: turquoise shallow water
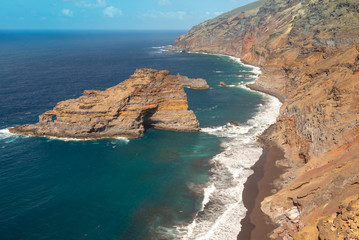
{"x":111,"y":188}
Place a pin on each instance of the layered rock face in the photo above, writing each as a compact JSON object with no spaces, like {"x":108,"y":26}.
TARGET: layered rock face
{"x":309,"y":54}
{"x":148,"y":99}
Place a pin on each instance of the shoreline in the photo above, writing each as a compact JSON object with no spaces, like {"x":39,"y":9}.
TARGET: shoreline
{"x":256,"y":224}
{"x":255,"y":87}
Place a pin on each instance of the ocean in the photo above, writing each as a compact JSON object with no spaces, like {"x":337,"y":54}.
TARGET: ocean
{"x":165,"y":185}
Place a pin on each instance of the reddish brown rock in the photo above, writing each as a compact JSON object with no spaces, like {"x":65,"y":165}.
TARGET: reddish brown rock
{"x":344,"y":224}
{"x":308,"y":51}
{"x":149,"y":98}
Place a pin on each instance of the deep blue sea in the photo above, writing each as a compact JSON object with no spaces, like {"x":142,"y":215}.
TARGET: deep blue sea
{"x":165,"y":185}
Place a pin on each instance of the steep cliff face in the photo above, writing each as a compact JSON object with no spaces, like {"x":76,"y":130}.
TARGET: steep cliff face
{"x":309,"y":54}
{"x":149,"y":98}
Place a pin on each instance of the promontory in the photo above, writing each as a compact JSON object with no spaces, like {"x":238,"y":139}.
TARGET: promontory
{"x":148,"y":99}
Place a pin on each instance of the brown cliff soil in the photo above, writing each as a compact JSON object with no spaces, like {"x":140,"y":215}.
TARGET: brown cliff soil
{"x":149,"y":98}
{"x":309,"y":54}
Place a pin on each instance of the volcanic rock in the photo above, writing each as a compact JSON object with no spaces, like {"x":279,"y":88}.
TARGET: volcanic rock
{"x":195,"y":83}
{"x":148,"y":99}
{"x":234,"y":123}
{"x":344,"y":224}
{"x":308,"y":51}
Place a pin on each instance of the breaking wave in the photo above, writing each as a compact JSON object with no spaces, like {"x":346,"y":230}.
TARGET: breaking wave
{"x":222,"y":206}
{"x":122,"y":139}
{"x":7,"y":137}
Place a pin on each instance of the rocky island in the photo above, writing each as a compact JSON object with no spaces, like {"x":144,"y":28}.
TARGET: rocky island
{"x":194,"y":83}
{"x":308,"y":51}
{"x":148,"y":99}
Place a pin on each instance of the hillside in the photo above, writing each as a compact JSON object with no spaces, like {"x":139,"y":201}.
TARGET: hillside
{"x":308,"y":51}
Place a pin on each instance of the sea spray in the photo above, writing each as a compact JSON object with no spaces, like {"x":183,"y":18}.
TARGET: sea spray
{"x":6,"y":135}
{"x":223,"y":208}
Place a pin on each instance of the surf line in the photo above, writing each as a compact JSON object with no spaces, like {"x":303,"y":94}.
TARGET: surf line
{"x":6,"y":134}
{"x":222,"y":207}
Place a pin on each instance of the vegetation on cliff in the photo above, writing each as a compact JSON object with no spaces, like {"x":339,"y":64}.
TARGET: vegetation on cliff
{"x":309,"y":54}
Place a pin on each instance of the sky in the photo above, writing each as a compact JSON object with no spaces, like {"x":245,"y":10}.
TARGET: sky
{"x":111,"y":14}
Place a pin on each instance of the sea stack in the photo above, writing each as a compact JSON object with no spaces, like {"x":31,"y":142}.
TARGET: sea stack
{"x":148,"y":99}
{"x":194,"y":83}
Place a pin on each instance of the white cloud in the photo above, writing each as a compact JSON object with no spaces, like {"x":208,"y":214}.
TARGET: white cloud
{"x":97,"y":4}
{"x":164,"y":2}
{"x":67,"y":12}
{"x":111,"y":12}
{"x":172,"y":15}
{"x":89,"y":3}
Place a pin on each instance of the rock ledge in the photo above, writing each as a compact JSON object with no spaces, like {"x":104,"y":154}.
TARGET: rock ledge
{"x":148,"y":99}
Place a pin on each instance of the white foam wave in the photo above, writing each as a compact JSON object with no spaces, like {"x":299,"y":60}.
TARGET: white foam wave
{"x":163,"y":48}
{"x":255,"y":70}
{"x":207,"y":193}
{"x":223,"y":209}
{"x":122,"y":139}
{"x":8,"y":137}
{"x":66,"y":139}
{"x":5,"y":133}
{"x":221,"y":215}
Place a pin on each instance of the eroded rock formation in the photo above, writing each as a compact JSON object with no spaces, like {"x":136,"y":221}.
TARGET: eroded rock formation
{"x":344,"y":224}
{"x":149,"y":98}
{"x":308,"y":51}
{"x":195,"y":83}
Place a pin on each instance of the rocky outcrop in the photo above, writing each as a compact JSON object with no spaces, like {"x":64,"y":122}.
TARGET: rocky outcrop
{"x":194,"y":83}
{"x":308,"y":51}
{"x":344,"y":224}
{"x":148,"y":99}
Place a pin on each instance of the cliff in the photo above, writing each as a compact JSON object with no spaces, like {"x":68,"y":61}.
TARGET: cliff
{"x":148,"y":99}
{"x":309,"y":54}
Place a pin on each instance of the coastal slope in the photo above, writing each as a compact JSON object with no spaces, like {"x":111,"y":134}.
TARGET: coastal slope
{"x":308,"y":51}
{"x":148,"y":99}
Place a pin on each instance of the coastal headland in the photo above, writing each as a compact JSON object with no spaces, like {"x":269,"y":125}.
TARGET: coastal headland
{"x":148,"y":99}
{"x":308,"y":51}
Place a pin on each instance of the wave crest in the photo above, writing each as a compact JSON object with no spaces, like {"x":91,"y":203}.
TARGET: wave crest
{"x":223,"y":209}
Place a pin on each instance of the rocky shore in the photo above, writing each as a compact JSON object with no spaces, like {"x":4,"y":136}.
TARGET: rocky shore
{"x":148,"y":99}
{"x":308,"y":51}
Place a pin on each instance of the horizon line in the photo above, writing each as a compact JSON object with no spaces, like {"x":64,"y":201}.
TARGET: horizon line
{"x":84,"y":29}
